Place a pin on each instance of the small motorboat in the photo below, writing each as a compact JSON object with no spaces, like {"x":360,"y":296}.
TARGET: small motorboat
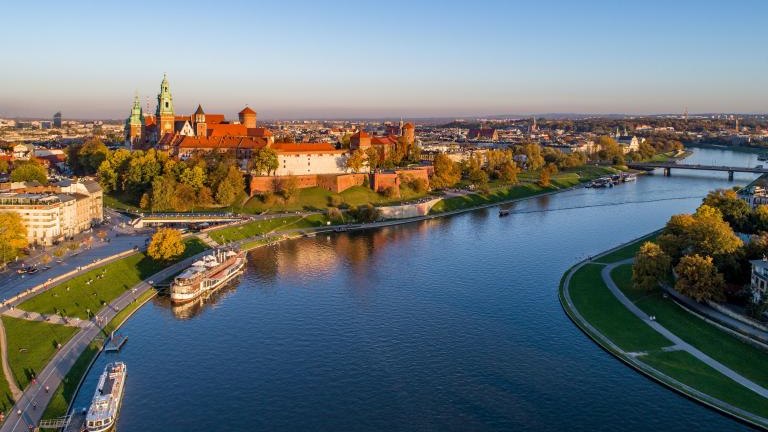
{"x":503,"y":212}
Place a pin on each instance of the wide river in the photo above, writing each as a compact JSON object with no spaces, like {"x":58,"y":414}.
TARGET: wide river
{"x":450,"y":324}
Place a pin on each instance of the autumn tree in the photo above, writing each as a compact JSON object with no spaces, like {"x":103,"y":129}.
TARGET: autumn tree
{"x":27,"y":171}
{"x":545,"y":176}
{"x":163,"y":193}
{"x":91,"y":154}
{"x":735,"y":210}
{"x":447,"y":172}
{"x":193,"y":177}
{"x":264,"y":161}
{"x":356,"y":160}
{"x":533,"y":157}
{"x":4,"y":166}
{"x":232,"y":186}
{"x":289,"y":187}
{"x":651,"y":266}
{"x":184,"y":198}
{"x":508,"y":172}
{"x":372,"y":158}
{"x":697,"y":277}
{"x":166,"y":244}
{"x":13,"y":236}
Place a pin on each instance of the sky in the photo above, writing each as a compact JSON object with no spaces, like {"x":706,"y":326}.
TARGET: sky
{"x":363,"y":59}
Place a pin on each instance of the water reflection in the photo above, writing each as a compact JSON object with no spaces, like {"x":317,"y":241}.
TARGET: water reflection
{"x":194,"y":308}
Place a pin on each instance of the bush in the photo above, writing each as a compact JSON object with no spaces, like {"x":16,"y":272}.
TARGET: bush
{"x":419,"y":185}
{"x":268,"y":198}
{"x":391,"y":192}
{"x":334,"y":201}
{"x":335,"y":215}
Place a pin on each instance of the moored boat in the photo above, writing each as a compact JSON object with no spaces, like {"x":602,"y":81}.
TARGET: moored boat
{"x":503,"y":212}
{"x":207,"y":274}
{"x":102,"y":414}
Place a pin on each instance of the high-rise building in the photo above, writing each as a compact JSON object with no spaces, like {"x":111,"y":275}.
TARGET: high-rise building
{"x":57,"y":120}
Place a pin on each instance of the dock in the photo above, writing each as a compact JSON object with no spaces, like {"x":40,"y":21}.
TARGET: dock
{"x":115,"y":342}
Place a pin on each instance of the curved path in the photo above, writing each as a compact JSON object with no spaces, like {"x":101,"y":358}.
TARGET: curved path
{"x":12,"y":385}
{"x":679,"y":344}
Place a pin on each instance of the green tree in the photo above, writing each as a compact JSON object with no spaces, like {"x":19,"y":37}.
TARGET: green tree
{"x":372,"y":158}
{"x":289,"y":187}
{"x":184,"y":198}
{"x":264,"y":161}
{"x":534,"y":159}
{"x":651,"y":266}
{"x":711,"y":235}
{"x":108,"y":177}
{"x":193,"y":176}
{"x":163,"y":192}
{"x":232,"y":186}
{"x":29,"y":171}
{"x":91,"y":154}
{"x":447,"y":172}
{"x":13,"y":236}
{"x":356,"y":160}
{"x":166,"y":244}
{"x":697,"y":278}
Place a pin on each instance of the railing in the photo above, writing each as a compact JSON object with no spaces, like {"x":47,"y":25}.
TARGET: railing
{"x":57,"y":423}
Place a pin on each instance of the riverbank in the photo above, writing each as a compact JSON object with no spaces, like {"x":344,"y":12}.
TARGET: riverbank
{"x":675,"y":348}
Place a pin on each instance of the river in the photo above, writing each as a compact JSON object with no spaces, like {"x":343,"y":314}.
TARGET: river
{"x":448,"y":324}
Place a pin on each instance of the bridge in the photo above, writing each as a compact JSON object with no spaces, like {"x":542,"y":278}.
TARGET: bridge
{"x":669,"y":166}
{"x":158,"y":219}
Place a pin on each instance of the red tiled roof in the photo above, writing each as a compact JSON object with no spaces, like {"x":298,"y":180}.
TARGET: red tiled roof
{"x":408,"y":125}
{"x":385,"y":140}
{"x":226,"y":129}
{"x":247,"y":110}
{"x":304,"y":147}
{"x":227,"y":142}
{"x":260,"y":132}
{"x":361,"y":134}
{"x":214,"y":118}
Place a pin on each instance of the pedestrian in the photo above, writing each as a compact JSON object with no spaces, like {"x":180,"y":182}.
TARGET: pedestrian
{"x":47,"y":389}
{"x":34,"y":405}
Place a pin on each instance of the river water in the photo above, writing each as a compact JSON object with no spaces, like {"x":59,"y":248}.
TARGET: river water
{"x":448,"y":324}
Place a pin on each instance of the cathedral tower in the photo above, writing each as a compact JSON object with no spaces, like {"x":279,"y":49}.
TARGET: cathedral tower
{"x":135,"y":123}
{"x":164,"y":112}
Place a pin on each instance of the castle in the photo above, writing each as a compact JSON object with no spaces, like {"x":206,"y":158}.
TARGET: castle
{"x":165,"y":130}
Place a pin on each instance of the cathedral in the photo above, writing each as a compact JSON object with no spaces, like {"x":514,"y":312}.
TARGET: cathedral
{"x":165,"y":129}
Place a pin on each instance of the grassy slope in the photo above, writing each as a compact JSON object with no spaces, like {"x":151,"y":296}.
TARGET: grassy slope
{"x":316,"y":198}
{"x":691,"y":371}
{"x":250,"y":229}
{"x":527,"y":188}
{"x":74,"y":297}
{"x":31,"y":344}
{"x":600,"y":307}
{"x":743,"y":358}
{"x":63,"y":395}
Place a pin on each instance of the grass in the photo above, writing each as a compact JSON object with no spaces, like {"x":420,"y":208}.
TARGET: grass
{"x":318,"y":199}
{"x":255,"y":228}
{"x":742,"y":357}
{"x":599,"y":307}
{"x":32,"y":344}
{"x":527,"y":188}
{"x":76,"y":297}
{"x":120,"y":202}
{"x":6,"y":397}
{"x":691,"y":371}
{"x":626,"y":252}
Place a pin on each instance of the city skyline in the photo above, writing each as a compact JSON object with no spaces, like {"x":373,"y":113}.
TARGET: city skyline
{"x":344,"y":60}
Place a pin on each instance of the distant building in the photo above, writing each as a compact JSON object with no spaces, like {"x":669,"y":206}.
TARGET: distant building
{"x":483,"y":133}
{"x":759,"y":280}
{"x":57,"y":120}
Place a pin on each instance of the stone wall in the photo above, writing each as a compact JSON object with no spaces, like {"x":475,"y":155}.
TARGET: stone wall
{"x":329,"y":182}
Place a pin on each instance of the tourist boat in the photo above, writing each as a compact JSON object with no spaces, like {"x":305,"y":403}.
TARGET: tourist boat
{"x":105,"y":405}
{"x":206,"y":275}
{"x":629,"y":177}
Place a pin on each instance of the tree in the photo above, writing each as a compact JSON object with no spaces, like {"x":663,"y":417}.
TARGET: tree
{"x":479,"y":178}
{"x":356,"y":160}
{"x":163,"y":192}
{"x":609,"y":149}
{"x":13,"y":236}
{"x":698,"y":278}
{"x":91,"y":154}
{"x":545,"y":176}
{"x":144,"y":202}
{"x":508,"y":172}
{"x":205,"y":196}
{"x":651,"y":266}
{"x":711,"y":235}
{"x":289,"y":187}
{"x":372,"y":156}
{"x":734,"y":209}
{"x":166,"y":244}
{"x":230,"y":187}
{"x":107,"y":176}
{"x":447,"y":172}
{"x":3,"y":166}
{"x":29,"y":171}
{"x":264,"y":161}
{"x":194,"y":177}
{"x":534,"y":159}
{"x":184,"y":198}
{"x":760,"y":216}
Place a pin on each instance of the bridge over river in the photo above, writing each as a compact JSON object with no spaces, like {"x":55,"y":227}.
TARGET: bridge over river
{"x":668,"y":166}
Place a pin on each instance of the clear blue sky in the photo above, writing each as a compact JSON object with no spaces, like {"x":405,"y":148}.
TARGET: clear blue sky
{"x":293,"y":58}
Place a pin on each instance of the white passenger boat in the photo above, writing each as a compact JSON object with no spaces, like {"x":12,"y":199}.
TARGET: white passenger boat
{"x":206,"y":275}
{"x":105,"y":405}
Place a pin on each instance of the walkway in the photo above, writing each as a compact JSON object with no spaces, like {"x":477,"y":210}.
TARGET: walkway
{"x":678,"y":343}
{"x":54,"y":372}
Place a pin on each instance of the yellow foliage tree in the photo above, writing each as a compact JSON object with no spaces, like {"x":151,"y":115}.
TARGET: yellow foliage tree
{"x":166,"y":244}
{"x":13,"y":236}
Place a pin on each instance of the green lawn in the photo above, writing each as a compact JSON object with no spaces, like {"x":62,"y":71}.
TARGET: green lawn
{"x":6,"y":398}
{"x":75,"y":297}
{"x":31,"y":344}
{"x":743,"y":358}
{"x":316,"y":198}
{"x":599,"y":307}
{"x":527,"y":188}
{"x":251,"y":229}
{"x":690,"y":371}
